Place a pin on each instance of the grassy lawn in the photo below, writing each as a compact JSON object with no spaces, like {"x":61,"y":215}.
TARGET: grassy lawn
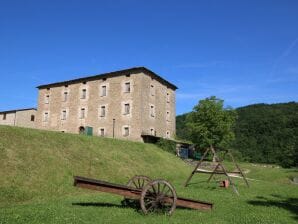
{"x":36,"y":185}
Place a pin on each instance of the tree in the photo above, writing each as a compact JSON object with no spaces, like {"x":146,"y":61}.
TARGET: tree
{"x":210,"y":124}
{"x":267,"y":133}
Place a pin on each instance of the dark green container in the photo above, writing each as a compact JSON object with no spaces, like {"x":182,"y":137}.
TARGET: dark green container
{"x":197,"y":155}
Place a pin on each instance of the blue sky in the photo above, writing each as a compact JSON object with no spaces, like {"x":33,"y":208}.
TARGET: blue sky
{"x":244,"y":52}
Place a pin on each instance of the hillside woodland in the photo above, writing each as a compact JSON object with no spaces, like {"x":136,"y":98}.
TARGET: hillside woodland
{"x":264,"y":133}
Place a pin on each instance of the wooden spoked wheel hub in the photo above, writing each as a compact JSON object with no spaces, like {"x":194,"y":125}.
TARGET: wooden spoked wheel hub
{"x":158,"y":196}
{"x":138,"y":182}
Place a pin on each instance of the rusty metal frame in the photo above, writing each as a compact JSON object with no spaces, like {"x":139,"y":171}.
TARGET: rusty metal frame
{"x":133,"y":193}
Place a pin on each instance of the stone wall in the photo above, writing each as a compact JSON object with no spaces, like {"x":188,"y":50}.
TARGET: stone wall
{"x":20,"y":118}
{"x":139,"y":99}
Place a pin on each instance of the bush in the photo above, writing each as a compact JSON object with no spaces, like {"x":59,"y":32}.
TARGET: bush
{"x":167,"y":145}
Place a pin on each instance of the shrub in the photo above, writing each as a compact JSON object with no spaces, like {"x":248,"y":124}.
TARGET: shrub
{"x":167,"y":145}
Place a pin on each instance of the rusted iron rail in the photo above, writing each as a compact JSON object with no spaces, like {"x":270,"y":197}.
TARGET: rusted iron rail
{"x":138,"y":194}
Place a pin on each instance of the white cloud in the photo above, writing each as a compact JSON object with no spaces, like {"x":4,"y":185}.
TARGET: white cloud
{"x":287,"y":51}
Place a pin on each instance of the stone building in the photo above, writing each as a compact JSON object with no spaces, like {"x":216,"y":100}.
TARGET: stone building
{"x":21,"y":117}
{"x":126,"y":104}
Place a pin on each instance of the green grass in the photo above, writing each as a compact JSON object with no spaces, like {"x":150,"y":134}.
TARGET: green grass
{"x":36,"y":183}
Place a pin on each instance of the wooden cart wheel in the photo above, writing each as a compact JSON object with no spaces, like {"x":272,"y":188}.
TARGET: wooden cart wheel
{"x":137,"y":182}
{"x":158,"y":196}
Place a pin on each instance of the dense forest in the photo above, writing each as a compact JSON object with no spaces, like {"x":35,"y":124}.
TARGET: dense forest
{"x":264,"y":133}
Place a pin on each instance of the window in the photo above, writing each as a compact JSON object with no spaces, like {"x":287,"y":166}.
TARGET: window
{"x":126,"y":131}
{"x":152,"y":90}
{"x":47,"y":99}
{"x":168,"y":116}
{"x":168,"y":97}
{"x":126,"y":108}
{"x":65,"y":96}
{"x":152,"y":111}
{"x":127,"y":87}
{"x":168,"y":134}
{"x":103,"y":91}
{"x":84,"y":94}
{"x":46,"y":117}
{"x":63,"y":115}
{"x":82,"y":114}
{"x":32,"y":117}
{"x":103,"y":111}
{"x":4,"y":116}
{"x":152,"y":132}
{"x":81,"y":130}
{"x":102,"y":132}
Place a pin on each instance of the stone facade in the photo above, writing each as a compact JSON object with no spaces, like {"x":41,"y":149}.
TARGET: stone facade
{"x":124,"y":104}
{"x":21,"y":118}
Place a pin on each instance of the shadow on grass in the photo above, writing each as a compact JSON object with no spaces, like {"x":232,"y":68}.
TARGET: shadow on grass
{"x":124,"y":204}
{"x":203,"y":184}
{"x":97,"y":204}
{"x":290,"y":204}
{"x":197,"y":182}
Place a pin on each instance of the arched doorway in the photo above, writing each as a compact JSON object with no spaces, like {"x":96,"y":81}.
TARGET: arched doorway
{"x":81,"y":130}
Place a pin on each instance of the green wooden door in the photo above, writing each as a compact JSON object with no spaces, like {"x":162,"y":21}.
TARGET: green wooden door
{"x":89,"y":131}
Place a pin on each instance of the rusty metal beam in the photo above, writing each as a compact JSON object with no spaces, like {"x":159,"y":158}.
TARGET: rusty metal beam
{"x":134,"y":193}
{"x":107,"y":187}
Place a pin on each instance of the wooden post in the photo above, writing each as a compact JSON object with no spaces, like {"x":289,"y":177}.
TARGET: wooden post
{"x":195,"y":169}
{"x":216,"y":170}
{"x":242,"y":174}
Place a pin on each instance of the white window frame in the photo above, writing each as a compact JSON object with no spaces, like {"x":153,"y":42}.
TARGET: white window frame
{"x":46,"y":116}
{"x":152,"y":89}
{"x":47,"y":99}
{"x":101,"y":87}
{"x":103,"y":111}
{"x":83,"y":94}
{"x":168,"y":115}
{"x":127,"y":88}
{"x":152,"y":131}
{"x":124,"y":128}
{"x":65,"y":96}
{"x":168,"y":134}
{"x":126,"y":108}
{"x":80,"y":112}
{"x":152,"y":111}
{"x":168,"y":97}
{"x":64,"y":115}
{"x":100,"y":133}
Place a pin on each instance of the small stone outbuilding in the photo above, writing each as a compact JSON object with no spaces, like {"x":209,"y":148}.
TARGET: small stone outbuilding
{"x":20,"y":117}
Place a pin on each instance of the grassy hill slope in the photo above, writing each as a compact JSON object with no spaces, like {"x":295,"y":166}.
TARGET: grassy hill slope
{"x":36,"y":183}
{"x":40,"y":163}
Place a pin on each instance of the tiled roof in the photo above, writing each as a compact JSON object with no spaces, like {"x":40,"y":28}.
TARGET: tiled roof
{"x":111,"y":74}
{"x":13,"y":111}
